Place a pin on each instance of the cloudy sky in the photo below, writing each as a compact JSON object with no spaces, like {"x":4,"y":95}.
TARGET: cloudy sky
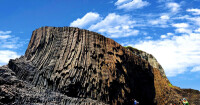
{"x":168,"y":29}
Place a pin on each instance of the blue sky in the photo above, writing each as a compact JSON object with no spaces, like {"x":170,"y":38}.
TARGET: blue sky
{"x":168,"y":29}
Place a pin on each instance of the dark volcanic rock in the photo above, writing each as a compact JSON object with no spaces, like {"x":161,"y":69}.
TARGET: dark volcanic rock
{"x":65,"y":65}
{"x":17,"y":92}
{"x":85,"y":64}
{"x":166,"y":93}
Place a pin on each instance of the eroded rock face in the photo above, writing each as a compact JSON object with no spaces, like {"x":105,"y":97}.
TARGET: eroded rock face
{"x":148,"y":57}
{"x":166,"y":93}
{"x":80,"y":63}
{"x":75,"y":66}
{"x":17,"y":92}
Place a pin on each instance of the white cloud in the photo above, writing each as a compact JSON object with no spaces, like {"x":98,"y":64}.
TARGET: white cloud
{"x":175,"y":54}
{"x":181,"y":17}
{"x":180,"y":25}
{"x":4,"y":36}
{"x":174,"y":7}
{"x":161,"y":21}
{"x":148,"y":37}
{"x":89,"y":19}
{"x":170,"y":34}
{"x":5,"y":32}
{"x":115,"y":26}
{"x":197,"y":30}
{"x":196,"y":20}
{"x":120,"y":2}
{"x":131,"y":4}
{"x":183,"y":30}
{"x":195,"y":69}
{"x":164,"y":17}
{"x":10,"y":46}
{"x":9,"y":41}
{"x":163,"y":36}
{"x":6,"y":55}
{"x":166,"y":36}
{"x":160,"y":1}
{"x":194,"y":11}
{"x":154,"y":22}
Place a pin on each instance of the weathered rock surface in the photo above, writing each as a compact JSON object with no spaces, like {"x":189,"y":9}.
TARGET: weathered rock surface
{"x":166,"y":93}
{"x":17,"y":92}
{"x":65,"y":65}
{"x":148,"y":57}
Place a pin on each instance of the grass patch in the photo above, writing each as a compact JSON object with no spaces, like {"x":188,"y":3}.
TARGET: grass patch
{"x":170,"y":85}
{"x":130,"y":47}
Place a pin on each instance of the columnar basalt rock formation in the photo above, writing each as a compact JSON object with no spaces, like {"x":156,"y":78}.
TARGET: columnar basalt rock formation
{"x":74,"y":66}
{"x":84,"y":64}
{"x":166,"y":93}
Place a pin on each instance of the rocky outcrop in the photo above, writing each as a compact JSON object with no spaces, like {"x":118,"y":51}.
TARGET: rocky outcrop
{"x":73,"y":66}
{"x":17,"y":92}
{"x":80,"y":63}
{"x":148,"y":57}
{"x":166,"y":93}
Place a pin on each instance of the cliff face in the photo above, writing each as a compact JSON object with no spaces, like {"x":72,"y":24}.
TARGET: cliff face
{"x":148,"y":57}
{"x":18,"y":92}
{"x":165,"y":92}
{"x":85,"y":67}
{"x":84,"y":64}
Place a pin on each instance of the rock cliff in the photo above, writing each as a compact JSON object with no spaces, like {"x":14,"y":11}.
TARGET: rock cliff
{"x":66,"y":65}
{"x":166,"y":93}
